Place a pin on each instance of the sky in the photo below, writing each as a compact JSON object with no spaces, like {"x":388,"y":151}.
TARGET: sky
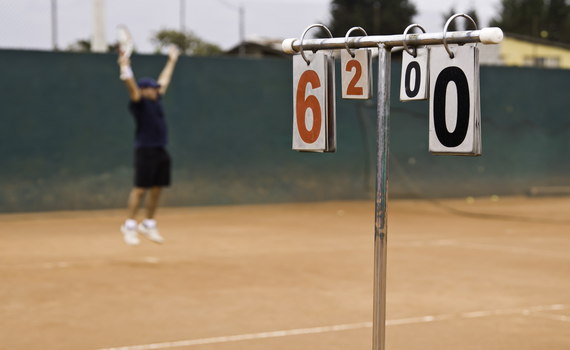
{"x":27,"y":23}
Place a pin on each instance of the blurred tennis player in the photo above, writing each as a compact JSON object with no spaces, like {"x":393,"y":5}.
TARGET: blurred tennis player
{"x":152,"y":161}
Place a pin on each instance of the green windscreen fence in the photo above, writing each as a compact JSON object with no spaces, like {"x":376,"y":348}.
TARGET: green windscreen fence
{"x":66,"y":136}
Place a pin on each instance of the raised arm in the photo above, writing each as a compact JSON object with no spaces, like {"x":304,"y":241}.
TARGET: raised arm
{"x":129,"y":79}
{"x":166,"y":75}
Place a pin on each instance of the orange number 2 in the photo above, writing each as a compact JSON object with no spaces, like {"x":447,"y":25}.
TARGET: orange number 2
{"x":352,"y":89}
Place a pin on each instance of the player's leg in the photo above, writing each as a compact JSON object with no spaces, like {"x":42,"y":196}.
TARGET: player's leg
{"x":129,"y":229}
{"x":148,"y":227}
{"x":152,"y":201}
{"x":143,"y":180}
{"x":161,"y":178}
{"x":135,"y":199}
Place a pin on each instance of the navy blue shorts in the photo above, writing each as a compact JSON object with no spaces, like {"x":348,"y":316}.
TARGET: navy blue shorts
{"x":152,"y":167}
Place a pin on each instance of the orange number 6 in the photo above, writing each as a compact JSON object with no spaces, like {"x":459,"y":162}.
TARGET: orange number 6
{"x":352,"y":89}
{"x":308,"y":77}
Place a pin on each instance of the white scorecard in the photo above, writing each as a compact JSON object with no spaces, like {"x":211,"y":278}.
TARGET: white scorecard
{"x":125,"y":41}
{"x":314,"y":104}
{"x":415,"y":75}
{"x":356,"y":74}
{"x":454,"y":112}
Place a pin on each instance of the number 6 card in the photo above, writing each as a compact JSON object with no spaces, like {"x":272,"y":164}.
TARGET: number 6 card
{"x":356,"y":74}
{"x":314,"y":104}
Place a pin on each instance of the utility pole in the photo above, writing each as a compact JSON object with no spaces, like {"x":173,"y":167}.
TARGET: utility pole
{"x":54,"y":24}
{"x":242,"y":30}
{"x":182,"y":16}
{"x":241,"y":11}
{"x":98,"y":43}
{"x":376,"y":16}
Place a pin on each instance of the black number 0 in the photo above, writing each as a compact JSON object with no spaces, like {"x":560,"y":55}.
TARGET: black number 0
{"x":413,"y":66}
{"x":446,"y":76}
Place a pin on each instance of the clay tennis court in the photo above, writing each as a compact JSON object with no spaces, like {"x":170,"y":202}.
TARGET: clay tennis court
{"x":290,"y":276}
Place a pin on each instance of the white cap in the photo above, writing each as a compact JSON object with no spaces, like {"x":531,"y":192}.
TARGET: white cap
{"x":287,"y":45}
{"x":491,"y":35}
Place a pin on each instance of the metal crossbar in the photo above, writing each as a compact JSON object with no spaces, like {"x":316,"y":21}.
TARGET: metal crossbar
{"x":484,"y":36}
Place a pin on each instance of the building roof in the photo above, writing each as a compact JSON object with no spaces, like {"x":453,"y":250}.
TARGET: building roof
{"x":257,"y":49}
{"x":536,"y":40}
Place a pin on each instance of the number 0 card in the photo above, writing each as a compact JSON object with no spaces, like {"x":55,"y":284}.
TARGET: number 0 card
{"x":414,"y":85}
{"x":454,"y":112}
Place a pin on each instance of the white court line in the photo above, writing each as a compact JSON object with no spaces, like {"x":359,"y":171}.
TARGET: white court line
{"x":408,"y":244}
{"x":550,"y":316}
{"x":42,"y":266}
{"x":83,"y":263}
{"x":342,"y":327}
{"x":480,"y":246}
{"x":516,"y":250}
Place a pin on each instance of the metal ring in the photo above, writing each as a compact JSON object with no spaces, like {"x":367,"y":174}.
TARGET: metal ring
{"x":415,"y":54}
{"x":447,"y":25}
{"x":303,"y":36}
{"x":348,"y":34}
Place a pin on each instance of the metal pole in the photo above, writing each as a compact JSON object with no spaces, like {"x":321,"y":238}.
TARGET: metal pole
{"x":381,"y":220}
{"x":241,"y":31}
{"x":485,"y":36}
{"x":54,"y":24}
{"x":376,"y":12}
{"x":98,"y":43}
{"x":182,"y":16}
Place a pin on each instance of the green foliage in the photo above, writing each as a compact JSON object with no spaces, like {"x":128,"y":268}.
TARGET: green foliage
{"x":460,"y":23}
{"x":81,"y":45}
{"x":84,"y":45}
{"x":547,"y":19}
{"x":473,"y":14}
{"x":376,"y":17}
{"x":188,"y":43}
{"x":114,"y":48}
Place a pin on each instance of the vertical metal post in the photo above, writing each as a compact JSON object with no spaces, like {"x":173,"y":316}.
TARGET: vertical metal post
{"x":182,"y":16}
{"x":98,"y":42}
{"x":376,"y":14}
{"x":381,"y":220}
{"x":241,"y":31}
{"x":54,"y":24}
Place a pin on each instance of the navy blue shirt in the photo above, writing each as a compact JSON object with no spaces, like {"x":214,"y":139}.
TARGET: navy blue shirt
{"x":151,"y":129}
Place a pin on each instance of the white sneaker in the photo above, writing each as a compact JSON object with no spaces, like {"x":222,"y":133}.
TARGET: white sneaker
{"x":150,"y":233}
{"x":130,"y":236}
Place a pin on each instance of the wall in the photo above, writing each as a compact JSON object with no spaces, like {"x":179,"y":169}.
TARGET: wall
{"x":66,"y":135}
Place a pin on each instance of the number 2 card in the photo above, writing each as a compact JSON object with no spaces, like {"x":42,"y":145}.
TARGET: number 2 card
{"x":356,"y":74}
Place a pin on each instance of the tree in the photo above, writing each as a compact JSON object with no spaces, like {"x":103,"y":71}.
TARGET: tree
{"x":466,"y":24}
{"x":535,"y":18}
{"x":445,"y":16}
{"x":188,"y":43}
{"x":376,"y":17}
{"x":80,"y":45}
{"x":473,"y":14}
{"x":84,"y":45}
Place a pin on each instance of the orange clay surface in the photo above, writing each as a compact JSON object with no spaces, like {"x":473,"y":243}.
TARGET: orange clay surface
{"x":279,"y":276}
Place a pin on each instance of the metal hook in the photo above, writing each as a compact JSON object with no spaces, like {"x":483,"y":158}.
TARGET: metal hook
{"x":415,"y":54}
{"x":303,"y":36}
{"x":348,"y":34}
{"x":451,"y":55}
